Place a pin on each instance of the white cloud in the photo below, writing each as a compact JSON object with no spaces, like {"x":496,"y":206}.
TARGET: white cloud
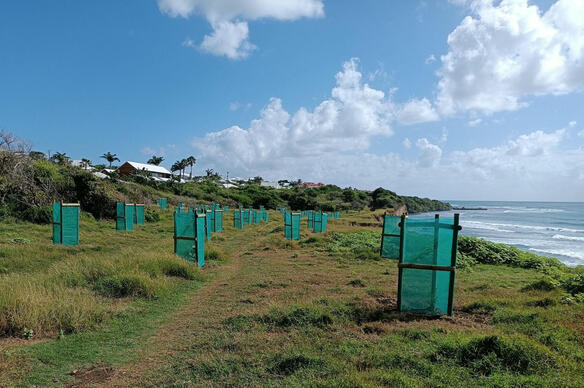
{"x":475,"y":122}
{"x":430,"y":154}
{"x":331,"y":143}
{"x":581,"y":133}
{"x":345,"y":122}
{"x":572,"y":124}
{"x":228,"y":18}
{"x":416,"y":111}
{"x":430,"y":59}
{"x":189,"y":43}
{"x":510,"y":50}
{"x":234,"y":106}
{"x":228,"y":39}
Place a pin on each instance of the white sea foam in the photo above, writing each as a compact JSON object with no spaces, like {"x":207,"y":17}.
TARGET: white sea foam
{"x":569,"y":238}
{"x":491,"y":225}
{"x":576,"y":254}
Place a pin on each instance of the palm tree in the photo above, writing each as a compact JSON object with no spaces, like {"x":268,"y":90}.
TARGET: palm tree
{"x":60,"y":158}
{"x":209,"y":172}
{"x":179,"y":165}
{"x":155,"y":160}
{"x":110,"y":158}
{"x":191,"y":160}
{"x":85,"y":163}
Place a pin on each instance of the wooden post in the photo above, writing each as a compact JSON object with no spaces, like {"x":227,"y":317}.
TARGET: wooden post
{"x":453,"y":262}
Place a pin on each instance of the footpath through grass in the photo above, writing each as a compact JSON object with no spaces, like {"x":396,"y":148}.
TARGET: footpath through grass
{"x":318,"y":312}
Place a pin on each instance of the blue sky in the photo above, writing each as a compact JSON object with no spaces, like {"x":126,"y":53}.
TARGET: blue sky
{"x":488,"y":95}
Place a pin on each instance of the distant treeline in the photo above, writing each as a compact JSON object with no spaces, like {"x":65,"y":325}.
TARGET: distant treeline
{"x":29,"y":185}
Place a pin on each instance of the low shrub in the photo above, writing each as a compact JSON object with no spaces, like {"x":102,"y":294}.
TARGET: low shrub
{"x":152,"y":214}
{"x":491,"y":354}
{"x":121,"y":286}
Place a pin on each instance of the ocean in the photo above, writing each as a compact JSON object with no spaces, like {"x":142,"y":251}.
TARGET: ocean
{"x":554,"y":229}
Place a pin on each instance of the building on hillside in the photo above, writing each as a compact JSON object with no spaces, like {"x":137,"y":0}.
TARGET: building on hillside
{"x":81,"y":164}
{"x":312,"y":185}
{"x":275,"y":185}
{"x":157,"y":172}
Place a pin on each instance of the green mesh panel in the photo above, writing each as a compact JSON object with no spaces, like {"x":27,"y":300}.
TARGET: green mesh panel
{"x":208,"y":231}
{"x":295,"y":226}
{"x":200,"y":243}
{"x":139,"y":214}
{"x":56,"y":223}
{"x":319,"y":222}
{"x":427,"y":242}
{"x":390,"y":237}
{"x":257,"y":217}
{"x":266,"y":216}
{"x":125,"y":216}
{"x":188,"y":227}
{"x":162,"y":203}
{"x":310,"y":219}
{"x":226,"y":209}
{"x":337,"y":215}
{"x":65,"y":224}
{"x":218,"y":224}
{"x":292,"y":226}
{"x":129,"y":216}
{"x":238,"y":222}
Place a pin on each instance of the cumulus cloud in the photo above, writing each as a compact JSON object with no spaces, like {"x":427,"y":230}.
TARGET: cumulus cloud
{"x":344,"y":122}
{"x":509,"y":50}
{"x":416,"y":111}
{"x":430,"y":154}
{"x":228,"y":18}
{"x":407,"y":143}
{"x":228,"y":39}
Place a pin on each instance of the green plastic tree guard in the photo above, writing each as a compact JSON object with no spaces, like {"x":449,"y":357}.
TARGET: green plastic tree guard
{"x":218,"y":221}
{"x":66,"y":223}
{"x":238,"y":221}
{"x":427,"y":263}
{"x":390,"y":237}
{"x":320,"y":221}
{"x":189,"y":236}
{"x":125,"y":216}
{"x":292,"y":226}
{"x":139,"y":214}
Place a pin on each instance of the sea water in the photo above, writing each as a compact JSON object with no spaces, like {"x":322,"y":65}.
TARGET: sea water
{"x":554,"y":229}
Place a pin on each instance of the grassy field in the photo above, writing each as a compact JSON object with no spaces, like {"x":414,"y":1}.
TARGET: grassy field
{"x":121,"y":310}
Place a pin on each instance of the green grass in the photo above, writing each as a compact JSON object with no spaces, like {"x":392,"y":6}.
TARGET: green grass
{"x":274,"y":313}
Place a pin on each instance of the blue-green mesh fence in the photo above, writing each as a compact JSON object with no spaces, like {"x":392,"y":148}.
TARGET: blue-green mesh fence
{"x":66,"y":223}
{"x":257,"y":217}
{"x":162,"y":203}
{"x":238,"y":222}
{"x":427,"y":265}
{"x":218,"y":221}
{"x":292,"y":226}
{"x":390,"y":237}
{"x":310,"y":219}
{"x":337,"y":215}
{"x":139,"y":214}
{"x":319,"y":222}
{"x":124,"y":216}
{"x":189,"y":237}
{"x":208,"y":227}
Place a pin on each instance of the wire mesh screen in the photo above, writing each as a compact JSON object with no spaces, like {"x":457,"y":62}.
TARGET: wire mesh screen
{"x":390,"y":237}
{"x":189,"y":237}
{"x":139,"y":214}
{"x":66,"y":223}
{"x":427,"y":264}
